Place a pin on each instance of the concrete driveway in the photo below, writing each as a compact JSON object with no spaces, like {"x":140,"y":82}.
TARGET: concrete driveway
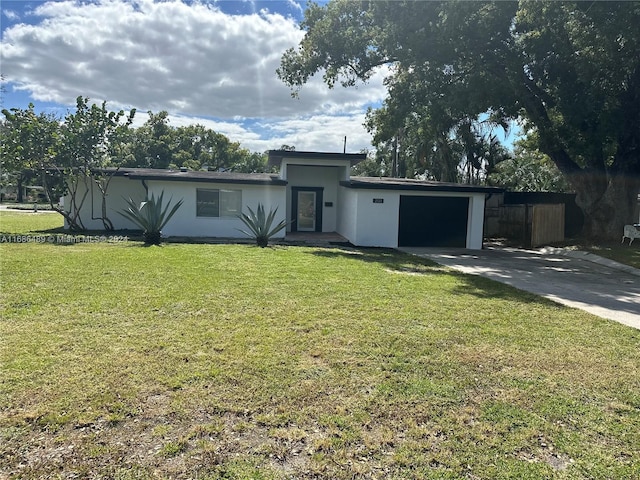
{"x":577,"y":279}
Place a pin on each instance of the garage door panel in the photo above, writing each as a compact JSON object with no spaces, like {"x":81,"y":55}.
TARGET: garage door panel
{"x":433,"y":221}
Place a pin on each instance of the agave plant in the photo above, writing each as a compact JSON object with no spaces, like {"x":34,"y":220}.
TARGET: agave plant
{"x":260,"y":225}
{"x":150,"y":216}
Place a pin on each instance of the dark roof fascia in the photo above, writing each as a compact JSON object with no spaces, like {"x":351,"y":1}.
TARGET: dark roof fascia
{"x":113,"y":171}
{"x":195,"y":176}
{"x":276,"y":156}
{"x":202,"y":177}
{"x":116,"y":172}
{"x":370,"y":183}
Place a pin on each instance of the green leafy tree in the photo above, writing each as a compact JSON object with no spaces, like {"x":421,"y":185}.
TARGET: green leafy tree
{"x":251,"y":163}
{"x":152,"y":143}
{"x":377,"y":164}
{"x":529,"y":170}
{"x":156,"y":144}
{"x":571,"y":70}
{"x":195,"y":147}
{"x":463,"y":151}
{"x":90,"y":141}
{"x":28,"y":145}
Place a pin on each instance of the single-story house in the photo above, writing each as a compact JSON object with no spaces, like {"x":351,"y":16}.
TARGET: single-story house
{"x":315,"y":193}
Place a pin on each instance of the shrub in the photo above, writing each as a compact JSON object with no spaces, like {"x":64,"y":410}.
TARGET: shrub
{"x":150,"y":217}
{"x":259,"y":225}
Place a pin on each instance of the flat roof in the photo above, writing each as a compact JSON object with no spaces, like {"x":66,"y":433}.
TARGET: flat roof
{"x":276,"y":156}
{"x":199,"y":176}
{"x":371,"y":183}
{"x":388,"y":183}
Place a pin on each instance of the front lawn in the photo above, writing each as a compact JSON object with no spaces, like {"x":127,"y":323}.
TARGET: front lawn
{"x":620,"y":252}
{"x":29,"y":223}
{"x":231,"y":361}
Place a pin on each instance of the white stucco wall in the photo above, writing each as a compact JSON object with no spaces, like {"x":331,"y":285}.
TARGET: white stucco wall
{"x":185,"y":223}
{"x":475,"y":225}
{"x":120,"y":188}
{"x":318,"y":176}
{"x":347,"y":214}
{"x":368,"y":224}
{"x":377,"y":223}
{"x":354,"y":213}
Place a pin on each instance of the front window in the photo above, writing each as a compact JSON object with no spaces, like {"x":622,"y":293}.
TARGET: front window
{"x":218,"y":203}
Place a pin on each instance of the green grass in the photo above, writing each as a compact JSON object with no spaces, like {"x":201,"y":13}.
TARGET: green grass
{"x":231,"y":361}
{"x":25,"y":223}
{"x":620,"y":252}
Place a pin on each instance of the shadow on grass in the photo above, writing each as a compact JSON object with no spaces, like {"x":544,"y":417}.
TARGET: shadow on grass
{"x":48,"y":231}
{"x":619,"y":252}
{"x":486,"y":289}
{"x":403,"y":263}
{"x":385,"y":256}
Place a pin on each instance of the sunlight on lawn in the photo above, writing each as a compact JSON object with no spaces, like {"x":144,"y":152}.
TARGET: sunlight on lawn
{"x":231,"y":361}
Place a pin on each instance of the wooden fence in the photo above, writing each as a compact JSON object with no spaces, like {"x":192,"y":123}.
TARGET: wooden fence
{"x":533,"y":225}
{"x":547,"y":224}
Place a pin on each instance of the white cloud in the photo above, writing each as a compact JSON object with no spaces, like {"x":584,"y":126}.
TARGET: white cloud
{"x":11,"y":15}
{"x":323,"y":133}
{"x":295,"y":5}
{"x":191,"y":59}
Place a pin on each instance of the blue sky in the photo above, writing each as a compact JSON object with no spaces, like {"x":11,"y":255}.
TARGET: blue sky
{"x":207,"y":62}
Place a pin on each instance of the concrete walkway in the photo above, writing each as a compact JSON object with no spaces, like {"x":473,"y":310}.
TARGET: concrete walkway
{"x":573,"y":278}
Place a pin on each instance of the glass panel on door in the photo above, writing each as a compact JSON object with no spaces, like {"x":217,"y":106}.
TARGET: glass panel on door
{"x":306,"y":218}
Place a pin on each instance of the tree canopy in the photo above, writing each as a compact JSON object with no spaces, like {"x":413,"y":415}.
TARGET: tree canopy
{"x":569,"y":70}
{"x":528,"y":170}
{"x":27,"y":143}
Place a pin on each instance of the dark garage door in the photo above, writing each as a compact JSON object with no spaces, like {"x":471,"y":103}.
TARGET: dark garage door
{"x":433,"y":221}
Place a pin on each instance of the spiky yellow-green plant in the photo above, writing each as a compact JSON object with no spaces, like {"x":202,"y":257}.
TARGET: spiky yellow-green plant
{"x":150,"y":216}
{"x":260,"y":225}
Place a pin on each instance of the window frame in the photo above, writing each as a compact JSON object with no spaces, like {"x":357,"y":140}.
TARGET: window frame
{"x":228,"y":203}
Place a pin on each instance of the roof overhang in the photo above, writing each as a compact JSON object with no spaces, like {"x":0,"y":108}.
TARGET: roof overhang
{"x":277,"y":156}
{"x":406,"y":184}
{"x":197,"y":176}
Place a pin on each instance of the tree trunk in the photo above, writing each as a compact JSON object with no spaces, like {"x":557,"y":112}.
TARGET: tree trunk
{"x":108,"y":225}
{"x":19,"y":193}
{"x":607,"y":213}
{"x":103,"y":186}
{"x":607,"y":195}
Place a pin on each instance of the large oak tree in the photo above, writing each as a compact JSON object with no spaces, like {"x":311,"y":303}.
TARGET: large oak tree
{"x":570,"y":70}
